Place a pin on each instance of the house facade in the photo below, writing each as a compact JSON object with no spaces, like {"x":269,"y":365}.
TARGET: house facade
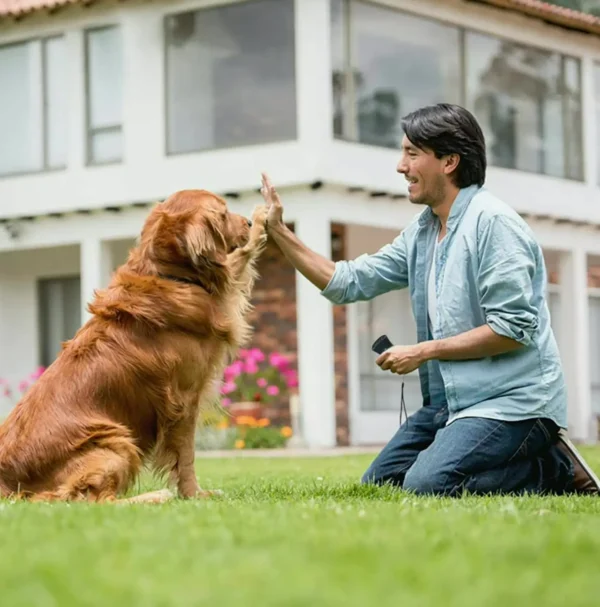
{"x":108,"y":107}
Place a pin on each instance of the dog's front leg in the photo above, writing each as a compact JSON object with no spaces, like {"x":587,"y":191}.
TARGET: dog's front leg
{"x":239,"y":260}
{"x":180,"y":447}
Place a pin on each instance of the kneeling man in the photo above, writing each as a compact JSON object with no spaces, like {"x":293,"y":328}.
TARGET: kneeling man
{"x":494,"y":409}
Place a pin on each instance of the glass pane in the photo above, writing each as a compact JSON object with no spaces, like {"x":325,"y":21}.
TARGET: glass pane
{"x":400,"y":63}
{"x":20,"y":108}
{"x":59,"y":313}
{"x":231,"y":76}
{"x":106,"y":146}
{"x":56,"y":102}
{"x":597,"y":99}
{"x":595,"y":352}
{"x":391,"y":314}
{"x":338,"y":66}
{"x":528,"y":104}
{"x":105,"y":81}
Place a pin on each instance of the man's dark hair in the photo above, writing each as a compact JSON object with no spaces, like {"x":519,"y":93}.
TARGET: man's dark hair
{"x":450,"y":129}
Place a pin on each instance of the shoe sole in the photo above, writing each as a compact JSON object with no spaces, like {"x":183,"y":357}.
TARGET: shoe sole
{"x":563,"y":438}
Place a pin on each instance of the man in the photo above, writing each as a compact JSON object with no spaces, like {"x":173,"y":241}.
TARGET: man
{"x":494,"y":399}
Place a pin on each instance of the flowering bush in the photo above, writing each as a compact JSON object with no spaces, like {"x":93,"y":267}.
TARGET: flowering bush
{"x":6,"y":392}
{"x":259,"y":434}
{"x":256,"y":377}
{"x":25,"y":384}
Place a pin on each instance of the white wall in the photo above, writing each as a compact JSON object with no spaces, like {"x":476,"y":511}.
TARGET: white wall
{"x":19,"y":271}
{"x":148,"y":174}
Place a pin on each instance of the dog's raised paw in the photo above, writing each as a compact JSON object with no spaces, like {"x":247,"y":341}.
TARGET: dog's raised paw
{"x":259,"y":214}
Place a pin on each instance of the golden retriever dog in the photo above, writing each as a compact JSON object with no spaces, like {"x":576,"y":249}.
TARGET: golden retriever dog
{"x":126,"y":391}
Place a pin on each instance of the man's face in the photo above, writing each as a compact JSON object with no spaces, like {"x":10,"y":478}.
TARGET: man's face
{"x":426,"y":175}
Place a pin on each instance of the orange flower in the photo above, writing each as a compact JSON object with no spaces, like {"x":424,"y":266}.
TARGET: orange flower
{"x":222,"y":425}
{"x":286,"y":431}
{"x":263,"y":422}
{"x":246,"y":420}
{"x":239,"y":444}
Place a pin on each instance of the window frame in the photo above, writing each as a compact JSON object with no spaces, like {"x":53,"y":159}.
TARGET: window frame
{"x":463,"y":62}
{"x":42,"y":40}
{"x":215,"y":5}
{"x":90,"y":131}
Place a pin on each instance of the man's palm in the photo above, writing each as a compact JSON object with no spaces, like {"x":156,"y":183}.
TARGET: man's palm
{"x":275,"y":208}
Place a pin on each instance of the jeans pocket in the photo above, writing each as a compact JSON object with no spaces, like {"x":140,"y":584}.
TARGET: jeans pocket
{"x":536,"y":439}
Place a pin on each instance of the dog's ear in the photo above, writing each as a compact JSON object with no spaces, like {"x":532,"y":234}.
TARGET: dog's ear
{"x":203,"y":240}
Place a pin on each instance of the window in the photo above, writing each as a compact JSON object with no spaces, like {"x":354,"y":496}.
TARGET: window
{"x":104,"y":75}
{"x":230,"y":75}
{"x":597,"y":111}
{"x":386,"y":64}
{"x":59,"y":305}
{"x":33,"y":106}
{"x":381,"y":390}
{"x":528,"y":102}
{"x":595,"y":351}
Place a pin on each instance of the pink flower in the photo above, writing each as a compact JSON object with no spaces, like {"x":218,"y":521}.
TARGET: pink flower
{"x":256,"y":355}
{"x":272,"y":390}
{"x":291,"y":378}
{"x":233,"y":370}
{"x":251,"y":366}
{"x":279,"y":361}
{"x":228,"y":387}
{"x":23,"y":385}
{"x":226,"y":402}
{"x":37,"y":373}
{"x":262,"y":382}
{"x":7,"y":391}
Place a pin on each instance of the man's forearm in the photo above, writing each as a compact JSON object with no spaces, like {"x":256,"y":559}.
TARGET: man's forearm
{"x":316,"y":268}
{"x":476,"y":343}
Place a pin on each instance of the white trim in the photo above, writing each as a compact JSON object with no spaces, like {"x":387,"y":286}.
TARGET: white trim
{"x":353,"y":370}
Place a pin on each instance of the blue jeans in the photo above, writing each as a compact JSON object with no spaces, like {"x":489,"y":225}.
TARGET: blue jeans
{"x":473,"y":455}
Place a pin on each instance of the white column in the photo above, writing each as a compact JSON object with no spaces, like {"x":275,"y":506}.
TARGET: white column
{"x":313,"y":73}
{"x":144,"y":106}
{"x":315,"y":342}
{"x":574,"y":340}
{"x":590,"y":130}
{"x":77,"y":127}
{"x":95,"y":270}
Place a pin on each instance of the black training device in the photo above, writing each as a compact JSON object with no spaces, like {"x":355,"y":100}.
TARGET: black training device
{"x":381,"y":344}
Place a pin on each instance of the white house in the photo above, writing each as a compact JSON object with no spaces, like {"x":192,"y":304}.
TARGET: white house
{"x":106,"y":107}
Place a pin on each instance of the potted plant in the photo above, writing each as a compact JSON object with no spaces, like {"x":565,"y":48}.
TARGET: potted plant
{"x":254,"y":380}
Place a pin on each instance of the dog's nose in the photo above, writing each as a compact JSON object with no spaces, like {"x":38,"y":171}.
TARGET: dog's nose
{"x":249,"y":222}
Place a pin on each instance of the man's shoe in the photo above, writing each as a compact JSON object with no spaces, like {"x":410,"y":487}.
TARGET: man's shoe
{"x":585,"y":481}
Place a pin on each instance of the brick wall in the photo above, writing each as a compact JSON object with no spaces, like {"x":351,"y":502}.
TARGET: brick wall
{"x":274,"y":322}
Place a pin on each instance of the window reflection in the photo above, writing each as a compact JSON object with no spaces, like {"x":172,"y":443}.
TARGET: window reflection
{"x":388,"y":63}
{"x":528,"y":104}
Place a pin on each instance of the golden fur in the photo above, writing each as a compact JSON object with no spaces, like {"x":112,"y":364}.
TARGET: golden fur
{"x":127,"y":389}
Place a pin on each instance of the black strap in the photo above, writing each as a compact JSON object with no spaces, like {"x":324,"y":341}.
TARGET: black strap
{"x":184,"y":280}
{"x":403,"y":404}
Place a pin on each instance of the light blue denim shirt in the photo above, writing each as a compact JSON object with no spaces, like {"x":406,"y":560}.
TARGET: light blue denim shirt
{"x":489,"y":269}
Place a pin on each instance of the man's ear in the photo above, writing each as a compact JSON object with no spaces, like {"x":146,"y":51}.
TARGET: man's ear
{"x":451,"y":163}
{"x":203,"y":241}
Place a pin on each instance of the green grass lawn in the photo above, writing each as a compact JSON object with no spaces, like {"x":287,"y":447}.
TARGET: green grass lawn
{"x":302,"y":532}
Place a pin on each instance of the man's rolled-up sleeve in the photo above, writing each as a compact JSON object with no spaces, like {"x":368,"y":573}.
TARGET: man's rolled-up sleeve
{"x":507,"y":265}
{"x":367,"y":276}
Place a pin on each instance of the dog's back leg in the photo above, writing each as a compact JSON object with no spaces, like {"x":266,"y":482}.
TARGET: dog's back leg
{"x":104,"y":466}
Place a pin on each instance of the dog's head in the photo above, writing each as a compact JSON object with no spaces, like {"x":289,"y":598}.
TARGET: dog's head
{"x":193,"y":231}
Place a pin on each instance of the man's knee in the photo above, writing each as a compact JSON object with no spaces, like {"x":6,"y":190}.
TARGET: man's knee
{"x":377,"y":475}
{"x":421,"y":481}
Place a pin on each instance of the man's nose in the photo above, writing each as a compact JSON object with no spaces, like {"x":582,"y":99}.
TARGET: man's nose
{"x":401,"y":168}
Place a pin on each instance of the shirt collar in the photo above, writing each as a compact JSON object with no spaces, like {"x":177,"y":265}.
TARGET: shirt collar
{"x":459,"y":206}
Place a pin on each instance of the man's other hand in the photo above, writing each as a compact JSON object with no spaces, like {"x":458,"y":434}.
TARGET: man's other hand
{"x":401,"y":359}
